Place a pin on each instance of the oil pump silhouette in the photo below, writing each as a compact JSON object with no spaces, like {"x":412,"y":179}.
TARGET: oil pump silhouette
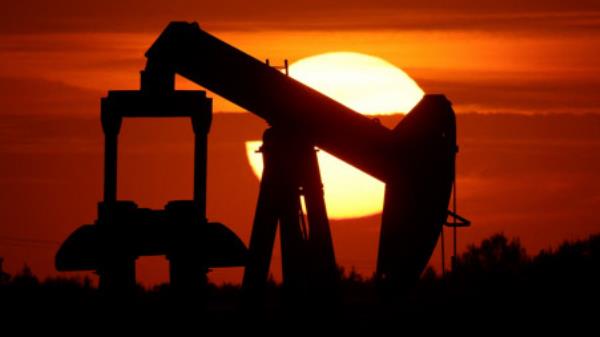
{"x":416,"y":161}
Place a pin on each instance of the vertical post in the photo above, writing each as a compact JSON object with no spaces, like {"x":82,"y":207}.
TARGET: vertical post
{"x":187,"y":274}
{"x":322,"y":254}
{"x":455,"y":256}
{"x":110,"y":168}
{"x":117,"y":269}
{"x":201,"y":121}
{"x":293,"y":247}
{"x":443,"y":249}
{"x":262,"y":238}
{"x":111,"y":125}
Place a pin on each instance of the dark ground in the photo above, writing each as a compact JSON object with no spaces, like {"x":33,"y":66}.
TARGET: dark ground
{"x":494,"y":282}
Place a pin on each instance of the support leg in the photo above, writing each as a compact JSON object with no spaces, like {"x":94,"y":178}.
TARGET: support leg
{"x":320,"y":243}
{"x":262,"y":240}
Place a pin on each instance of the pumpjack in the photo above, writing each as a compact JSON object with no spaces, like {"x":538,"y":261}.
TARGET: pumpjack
{"x":416,"y":161}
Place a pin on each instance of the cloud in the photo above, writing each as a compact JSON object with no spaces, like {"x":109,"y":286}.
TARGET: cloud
{"x":151,"y":15}
{"x":518,"y":92}
{"x":26,"y":96}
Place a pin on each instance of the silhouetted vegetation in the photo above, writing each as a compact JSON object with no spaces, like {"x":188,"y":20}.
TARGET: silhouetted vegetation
{"x":496,"y":277}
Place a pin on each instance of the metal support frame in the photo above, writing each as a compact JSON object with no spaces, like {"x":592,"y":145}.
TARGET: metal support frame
{"x":117,"y":266}
{"x":291,"y":172}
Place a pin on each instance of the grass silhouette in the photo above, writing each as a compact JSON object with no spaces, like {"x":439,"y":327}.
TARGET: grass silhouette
{"x":495,"y":278}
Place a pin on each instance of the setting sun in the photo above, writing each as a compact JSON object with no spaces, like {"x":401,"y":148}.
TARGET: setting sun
{"x":366,"y":84}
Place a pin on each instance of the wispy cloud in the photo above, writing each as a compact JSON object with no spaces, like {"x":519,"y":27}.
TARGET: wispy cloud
{"x":151,"y":15}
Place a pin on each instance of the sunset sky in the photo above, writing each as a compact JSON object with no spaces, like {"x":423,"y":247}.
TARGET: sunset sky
{"x":523,"y":76}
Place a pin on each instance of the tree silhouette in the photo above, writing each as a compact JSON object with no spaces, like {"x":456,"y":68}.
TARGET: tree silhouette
{"x":4,"y":277}
{"x":494,"y":256}
{"x":494,"y":277}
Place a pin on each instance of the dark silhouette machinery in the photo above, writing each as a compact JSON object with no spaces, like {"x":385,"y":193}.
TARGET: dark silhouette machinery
{"x":124,"y":231}
{"x":416,"y":160}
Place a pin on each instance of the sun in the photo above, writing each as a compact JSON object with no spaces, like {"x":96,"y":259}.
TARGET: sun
{"x":369,"y":85}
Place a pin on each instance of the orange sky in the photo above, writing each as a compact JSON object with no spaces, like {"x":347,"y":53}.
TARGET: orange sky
{"x":532,"y":177}
{"x":480,"y":71}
